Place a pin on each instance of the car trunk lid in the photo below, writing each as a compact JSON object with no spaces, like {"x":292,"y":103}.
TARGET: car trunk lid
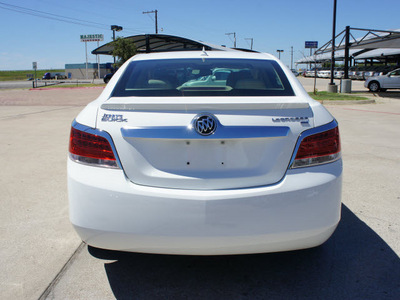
{"x":158,"y":145}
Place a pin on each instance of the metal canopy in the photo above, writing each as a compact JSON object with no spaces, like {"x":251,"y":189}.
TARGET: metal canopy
{"x":355,"y":53}
{"x":378,"y":39}
{"x":339,"y":55}
{"x":379,"y":53}
{"x":158,"y":43}
{"x":371,"y":40}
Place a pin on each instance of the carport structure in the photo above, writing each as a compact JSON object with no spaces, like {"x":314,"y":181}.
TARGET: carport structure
{"x":160,"y":42}
{"x":374,"y":44}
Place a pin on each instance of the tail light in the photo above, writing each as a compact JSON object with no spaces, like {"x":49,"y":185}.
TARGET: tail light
{"x":91,"y":149}
{"x":319,"y":148}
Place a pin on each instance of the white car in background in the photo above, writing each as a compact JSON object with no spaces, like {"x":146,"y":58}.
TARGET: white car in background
{"x":249,"y":166}
{"x":324,"y":74}
{"x":310,"y":73}
{"x":338,"y":74}
{"x":384,"y":82}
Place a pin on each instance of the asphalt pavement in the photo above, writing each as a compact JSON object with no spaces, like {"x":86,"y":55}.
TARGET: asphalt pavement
{"x":42,"y":256}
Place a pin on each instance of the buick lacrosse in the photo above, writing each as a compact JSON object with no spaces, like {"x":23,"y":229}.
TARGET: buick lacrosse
{"x":204,"y":153}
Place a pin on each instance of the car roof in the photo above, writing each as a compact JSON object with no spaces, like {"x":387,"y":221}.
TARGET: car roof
{"x":234,"y":54}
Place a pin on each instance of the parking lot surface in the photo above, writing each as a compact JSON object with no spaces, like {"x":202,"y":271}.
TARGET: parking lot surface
{"x":42,"y":257}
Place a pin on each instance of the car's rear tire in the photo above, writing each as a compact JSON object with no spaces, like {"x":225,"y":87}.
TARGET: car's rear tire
{"x":374,"y":86}
{"x":106,"y":80}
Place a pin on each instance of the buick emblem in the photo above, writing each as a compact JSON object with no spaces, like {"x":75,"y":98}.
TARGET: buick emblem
{"x":205,"y":124}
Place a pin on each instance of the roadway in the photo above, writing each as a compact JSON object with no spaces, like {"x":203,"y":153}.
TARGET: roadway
{"x":27,"y":84}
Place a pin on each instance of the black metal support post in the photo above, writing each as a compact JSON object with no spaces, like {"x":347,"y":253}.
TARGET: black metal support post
{"x":346,"y":53}
{"x":147,"y":43}
{"x":333,"y":43}
{"x":156,"y":17}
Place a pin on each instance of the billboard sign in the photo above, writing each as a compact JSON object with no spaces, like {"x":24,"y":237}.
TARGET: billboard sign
{"x":311,"y":44}
{"x":92,"y":37}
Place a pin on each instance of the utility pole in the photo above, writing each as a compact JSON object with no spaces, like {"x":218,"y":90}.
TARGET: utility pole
{"x":234,"y":38}
{"x":251,"y":45}
{"x":291,"y":58}
{"x":279,"y":53}
{"x":155,"y":12}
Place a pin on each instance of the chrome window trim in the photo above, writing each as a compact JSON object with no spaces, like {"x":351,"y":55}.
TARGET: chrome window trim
{"x":101,"y":133}
{"x":309,"y":132}
{"x":140,"y":107}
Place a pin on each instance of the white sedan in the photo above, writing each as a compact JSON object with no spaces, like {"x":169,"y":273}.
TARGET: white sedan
{"x":384,"y":82}
{"x":159,"y":166}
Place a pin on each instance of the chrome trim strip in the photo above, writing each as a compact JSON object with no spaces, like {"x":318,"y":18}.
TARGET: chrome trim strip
{"x":188,"y":133}
{"x":309,"y":132}
{"x":196,"y":106}
{"x":101,"y":133}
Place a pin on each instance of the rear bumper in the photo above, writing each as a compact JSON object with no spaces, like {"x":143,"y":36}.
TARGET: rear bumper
{"x":108,"y":211}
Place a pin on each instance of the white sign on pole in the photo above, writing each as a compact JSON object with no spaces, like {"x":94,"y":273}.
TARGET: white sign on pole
{"x":92,"y":37}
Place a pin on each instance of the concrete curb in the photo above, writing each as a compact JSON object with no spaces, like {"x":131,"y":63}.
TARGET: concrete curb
{"x":347,"y":102}
{"x":56,"y":279}
{"x":67,"y":88}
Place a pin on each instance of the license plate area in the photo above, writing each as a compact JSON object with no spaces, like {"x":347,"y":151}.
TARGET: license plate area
{"x":205,"y":158}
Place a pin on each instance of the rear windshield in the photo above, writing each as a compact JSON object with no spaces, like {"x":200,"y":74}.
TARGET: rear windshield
{"x":203,"y":77}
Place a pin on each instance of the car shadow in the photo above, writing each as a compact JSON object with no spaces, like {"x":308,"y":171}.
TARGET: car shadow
{"x":355,"y":263}
{"x":387,"y":94}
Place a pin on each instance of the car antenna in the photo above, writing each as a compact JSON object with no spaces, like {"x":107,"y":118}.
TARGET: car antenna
{"x":204,"y":54}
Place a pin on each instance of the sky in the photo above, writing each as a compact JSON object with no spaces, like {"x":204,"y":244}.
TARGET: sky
{"x":48,"y":31}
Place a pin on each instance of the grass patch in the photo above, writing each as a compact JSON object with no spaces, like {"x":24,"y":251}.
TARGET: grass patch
{"x":334,"y":96}
{"x":24,"y":74}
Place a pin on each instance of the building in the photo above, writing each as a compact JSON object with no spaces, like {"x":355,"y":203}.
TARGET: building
{"x":78,"y":71}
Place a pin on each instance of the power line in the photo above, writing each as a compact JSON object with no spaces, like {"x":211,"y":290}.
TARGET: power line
{"x":60,"y":18}
{"x":51,"y":16}
{"x":126,"y":29}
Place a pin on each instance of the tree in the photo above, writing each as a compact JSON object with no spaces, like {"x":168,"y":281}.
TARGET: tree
{"x":123,"y":49}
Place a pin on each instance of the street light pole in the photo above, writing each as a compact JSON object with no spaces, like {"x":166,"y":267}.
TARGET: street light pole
{"x":279,"y":53}
{"x":115,"y":28}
